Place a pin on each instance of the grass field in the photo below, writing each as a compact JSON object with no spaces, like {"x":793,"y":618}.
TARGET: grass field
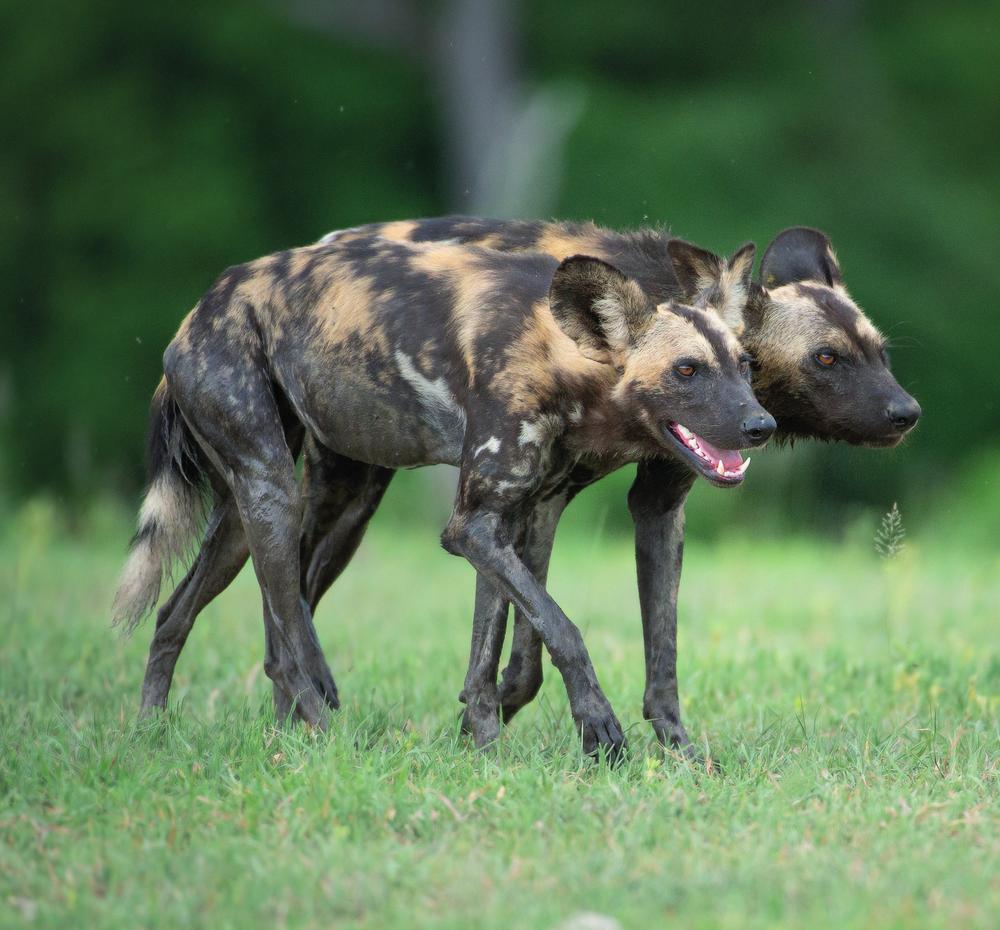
{"x":853,"y":704}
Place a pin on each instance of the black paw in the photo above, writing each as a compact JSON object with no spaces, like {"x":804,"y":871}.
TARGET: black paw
{"x":481,"y":721}
{"x":307,"y":706}
{"x":327,"y":689}
{"x":603,"y":737}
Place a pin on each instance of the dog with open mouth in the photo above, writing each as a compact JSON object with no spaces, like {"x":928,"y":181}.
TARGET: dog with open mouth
{"x":519,"y":369}
{"x":819,"y":366}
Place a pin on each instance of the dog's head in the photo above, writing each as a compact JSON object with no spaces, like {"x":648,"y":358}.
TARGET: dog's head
{"x":684,"y":379}
{"x":821,"y":366}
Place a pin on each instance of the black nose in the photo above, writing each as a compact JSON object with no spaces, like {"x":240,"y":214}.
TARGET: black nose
{"x":759,"y":428}
{"x":903,"y":414}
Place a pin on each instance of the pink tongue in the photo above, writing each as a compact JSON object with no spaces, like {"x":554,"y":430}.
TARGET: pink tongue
{"x":730,"y":459}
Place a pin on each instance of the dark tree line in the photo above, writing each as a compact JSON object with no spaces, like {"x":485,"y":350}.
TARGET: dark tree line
{"x":149,"y":146}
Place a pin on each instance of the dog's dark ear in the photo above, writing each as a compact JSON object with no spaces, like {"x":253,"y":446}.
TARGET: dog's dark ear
{"x":696,"y":268}
{"x":800,"y":254}
{"x":597,"y":306}
{"x":753,"y":314}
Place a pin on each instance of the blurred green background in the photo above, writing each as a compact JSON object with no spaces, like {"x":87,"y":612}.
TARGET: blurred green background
{"x":148,"y":146}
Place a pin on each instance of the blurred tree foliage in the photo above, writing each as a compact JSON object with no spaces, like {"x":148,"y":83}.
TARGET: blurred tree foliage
{"x":148,"y":146}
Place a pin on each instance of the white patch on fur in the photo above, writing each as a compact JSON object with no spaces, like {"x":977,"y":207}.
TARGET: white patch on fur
{"x":169,"y":520}
{"x":735,"y":301}
{"x":609,"y":310}
{"x":576,"y":412}
{"x":164,"y":504}
{"x":538,"y":431}
{"x":624,"y":312}
{"x":434,"y":395}
{"x":491,"y":445}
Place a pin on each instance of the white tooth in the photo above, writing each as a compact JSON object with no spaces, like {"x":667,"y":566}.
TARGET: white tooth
{"x":720,"y":468}
{"x":684,"y":431}
{"x":742,"y":468}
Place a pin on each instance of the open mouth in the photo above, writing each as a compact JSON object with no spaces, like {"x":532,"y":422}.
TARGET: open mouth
{"x":725,"y":467}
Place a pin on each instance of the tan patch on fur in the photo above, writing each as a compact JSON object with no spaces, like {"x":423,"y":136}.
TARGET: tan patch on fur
{"x":472,"y":289}
{"x":866,"y":328}
{"x":793,"y":327}
{"x":559,"y":243}
{"x":734,"y":295}
{"x":441,"y":258}
{"x":624,"y":313}
{"x":537,"y":359}
{"x":489,"y":242}
{"x":346,"y":309}
{"x":398,"y":231}
{"x":869,"y":329}
{"x":668,"y":338}
{"x":342,"y":303}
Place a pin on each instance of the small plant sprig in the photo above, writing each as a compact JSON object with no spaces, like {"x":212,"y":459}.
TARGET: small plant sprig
{"x":890,"y":536}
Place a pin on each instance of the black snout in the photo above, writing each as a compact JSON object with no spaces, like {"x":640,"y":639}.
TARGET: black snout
{"x":759,"y":428}
{"x":903,"y":414}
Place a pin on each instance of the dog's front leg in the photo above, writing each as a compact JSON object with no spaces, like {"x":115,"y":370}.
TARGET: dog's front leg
{"x":656,"y":501}
{"x":481,"y":718}
{"x":484,"y":537}
{"x":523,"y":675}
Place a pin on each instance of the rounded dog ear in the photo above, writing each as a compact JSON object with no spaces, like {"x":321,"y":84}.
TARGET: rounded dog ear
{"x":696,"y":268}
{"x":597,"y":306}
{"x":800,"y":254}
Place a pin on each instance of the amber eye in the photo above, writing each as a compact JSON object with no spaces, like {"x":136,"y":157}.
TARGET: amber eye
{"x":685,"y":371}
{"x":826,"y":359}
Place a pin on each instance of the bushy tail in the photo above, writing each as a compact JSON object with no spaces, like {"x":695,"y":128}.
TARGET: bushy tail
{"x":172,"y":512}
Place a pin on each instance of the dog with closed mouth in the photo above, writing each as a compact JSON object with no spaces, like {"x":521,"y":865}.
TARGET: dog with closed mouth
{"x":518,"y":368}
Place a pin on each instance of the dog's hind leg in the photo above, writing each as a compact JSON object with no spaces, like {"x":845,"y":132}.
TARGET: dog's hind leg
{"x":223,"y":553}
{"x":340,"y":497}
{"x":242,"y":431}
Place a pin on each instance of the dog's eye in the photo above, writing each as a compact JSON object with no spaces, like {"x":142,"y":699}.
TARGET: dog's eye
{"x":826,"y":359}
{"x":745,"y":368}
{"x":685,"y":371}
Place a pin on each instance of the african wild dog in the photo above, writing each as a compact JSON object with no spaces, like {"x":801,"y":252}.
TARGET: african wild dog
{"x":514,"y":368}
{"x":820,"y":367}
